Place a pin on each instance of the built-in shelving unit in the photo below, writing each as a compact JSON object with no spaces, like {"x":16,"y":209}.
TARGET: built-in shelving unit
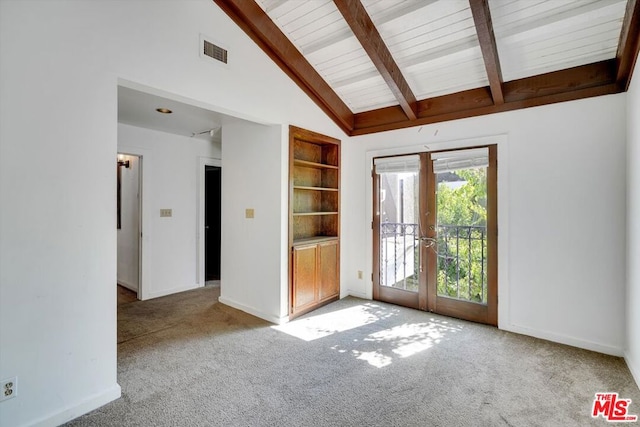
{"x":314,"y":221}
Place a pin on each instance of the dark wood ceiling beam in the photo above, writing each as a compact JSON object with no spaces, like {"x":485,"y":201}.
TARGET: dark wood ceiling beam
{"x":367,"y":34}
{"x":629,"y":44}
{"x":266,"y":34}
{"x":487,"y":39}
{"x":393,"y":117}
{"x":563,"y":81}
{"x":567,"y":85}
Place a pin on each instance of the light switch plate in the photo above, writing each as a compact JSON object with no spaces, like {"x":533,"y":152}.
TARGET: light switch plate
{"x":166,"y":212}
{"x":249,"y":213}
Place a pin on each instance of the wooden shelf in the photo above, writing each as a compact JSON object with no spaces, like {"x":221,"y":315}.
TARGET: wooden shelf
{"x":314,"y":220}
{"x":314,"y":240}
{"x":314,"y":213}
{"x":300,"y":187}
{"x":304,"y":163}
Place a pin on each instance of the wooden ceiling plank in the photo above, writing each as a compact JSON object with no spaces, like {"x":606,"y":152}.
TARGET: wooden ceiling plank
{"x":629,"y":44}
{"x":265,"y":33}
{"x":388,"y":15}
{"x":367,"y":34}
{"x":484,"y":28}
{"x":566,"y":85}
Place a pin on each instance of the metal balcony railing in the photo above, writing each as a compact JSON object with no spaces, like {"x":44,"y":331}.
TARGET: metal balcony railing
{"x":461,"y":251}
{"x":399,"y":257}
{"x":462,"y":262}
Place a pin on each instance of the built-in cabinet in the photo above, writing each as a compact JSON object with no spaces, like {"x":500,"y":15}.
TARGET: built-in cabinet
{"x":314,"y":220}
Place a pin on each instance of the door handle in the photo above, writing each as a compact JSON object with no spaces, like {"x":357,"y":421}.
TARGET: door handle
{"x":428,"y":241}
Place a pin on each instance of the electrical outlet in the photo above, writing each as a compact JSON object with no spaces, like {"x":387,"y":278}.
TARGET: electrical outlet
{"x":166,"y":213}
{"x":8,"y":388}
{"x":360,"y":274}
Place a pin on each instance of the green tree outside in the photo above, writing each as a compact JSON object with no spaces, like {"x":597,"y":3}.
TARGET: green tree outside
{"x":462,"y":269}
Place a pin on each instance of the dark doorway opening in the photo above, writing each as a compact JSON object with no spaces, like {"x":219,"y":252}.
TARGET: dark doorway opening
{"x":212,"y":222}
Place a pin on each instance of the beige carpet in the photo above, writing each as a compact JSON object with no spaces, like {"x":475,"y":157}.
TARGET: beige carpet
{"x":185,"y":360}
{"x":125,"y":295}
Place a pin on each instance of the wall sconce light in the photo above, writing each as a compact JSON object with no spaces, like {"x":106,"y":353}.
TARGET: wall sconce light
{"x":123,"y":162}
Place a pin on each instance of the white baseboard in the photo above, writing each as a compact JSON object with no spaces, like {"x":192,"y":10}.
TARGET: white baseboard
{"x":166,"y":292}
{"x":127,"y":285}
{"x":87,"y":405}
{"x":564,"y":339}
{"x":635,"y":369}
{"x":357,"y":294}
{"x":254,"y":312}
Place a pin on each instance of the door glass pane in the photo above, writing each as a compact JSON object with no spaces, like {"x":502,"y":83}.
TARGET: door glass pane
{"x":461,"y":234}
{"x":399,"y":231}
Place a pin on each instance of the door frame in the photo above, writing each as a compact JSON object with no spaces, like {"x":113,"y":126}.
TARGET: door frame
{"x":144,"y":251}
{"x":200,"y":183}
{"x":501,"y":141}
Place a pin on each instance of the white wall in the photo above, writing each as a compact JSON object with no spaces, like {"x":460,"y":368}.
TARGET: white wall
{"x":170,"y":172}
{"x":129,"y":232}
{"x":58,"y":112}
{"x":254,"y":259}
{"x":632,"y":354}
{"x":562,"y":215}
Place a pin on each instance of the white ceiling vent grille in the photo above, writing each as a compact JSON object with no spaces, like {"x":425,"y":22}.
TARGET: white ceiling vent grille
{"x":214,"y":51}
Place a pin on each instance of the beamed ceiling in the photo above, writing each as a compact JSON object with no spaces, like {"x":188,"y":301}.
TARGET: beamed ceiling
{"x":376,"y":65}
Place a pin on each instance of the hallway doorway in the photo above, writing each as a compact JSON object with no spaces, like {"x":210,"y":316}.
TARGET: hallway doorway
{"x":129,"y":221}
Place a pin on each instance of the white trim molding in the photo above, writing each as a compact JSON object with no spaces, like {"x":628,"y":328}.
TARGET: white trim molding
{"x":635,"y":370}
{"x":165,"y":292}
{"x":268,"y":317}
{"x":71,"y":412}
{"x":564,"y":339}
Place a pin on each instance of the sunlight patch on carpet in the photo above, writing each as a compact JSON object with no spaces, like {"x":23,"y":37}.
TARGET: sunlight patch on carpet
{"x":410,"y":339}
{"x":323,"y":325}
{"x":373,"y":358}
{"x":380,"y":348}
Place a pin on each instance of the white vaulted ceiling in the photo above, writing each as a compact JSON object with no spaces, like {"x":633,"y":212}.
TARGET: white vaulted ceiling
{"x":377,"y":65}
{"x":318,"y":30}
{"x":435,"y":44}
{"x":540,"y":36}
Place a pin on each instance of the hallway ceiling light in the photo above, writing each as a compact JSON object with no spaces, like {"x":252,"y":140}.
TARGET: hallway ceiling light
{"x":164,"y":110}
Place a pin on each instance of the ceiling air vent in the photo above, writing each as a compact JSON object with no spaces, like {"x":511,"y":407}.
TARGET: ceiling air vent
{"x":213,"y":51}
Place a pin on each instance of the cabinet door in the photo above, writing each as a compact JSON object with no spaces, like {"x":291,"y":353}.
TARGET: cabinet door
{"x":304,"y":276}
{"x":328,"y":271}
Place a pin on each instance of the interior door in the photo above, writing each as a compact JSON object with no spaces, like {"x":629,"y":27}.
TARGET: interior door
{"x":212,"y":222}
{"x":450,"y":234}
